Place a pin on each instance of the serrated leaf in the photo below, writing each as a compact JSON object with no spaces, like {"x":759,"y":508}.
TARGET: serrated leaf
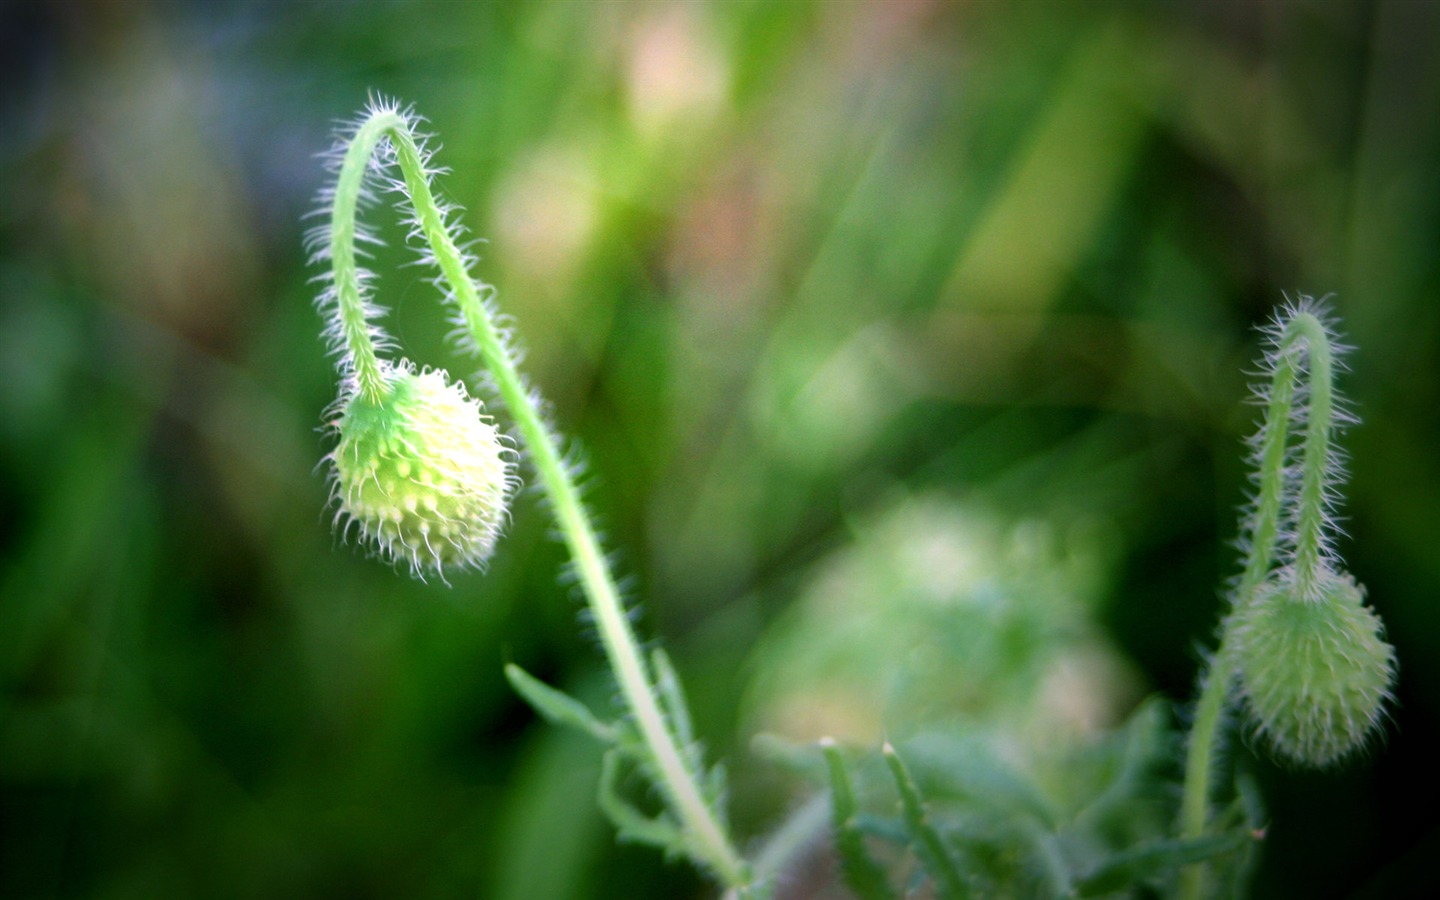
{"x":716,"y":785}
{"x":630,"y":823}
{"x":677,"y":713}
{"x":558,"y":707}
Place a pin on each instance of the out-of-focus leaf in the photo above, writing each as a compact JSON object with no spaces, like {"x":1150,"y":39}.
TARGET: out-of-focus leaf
{"x":1140,"y":863}
{"x":557,"y":706}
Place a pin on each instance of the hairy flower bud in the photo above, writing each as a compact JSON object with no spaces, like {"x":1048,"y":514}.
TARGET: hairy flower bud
{"x":421,"y":471}
{"x":1314,"y":669}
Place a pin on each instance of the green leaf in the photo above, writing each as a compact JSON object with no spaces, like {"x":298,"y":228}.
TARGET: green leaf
{"x":558,"y":707}
{"x":968,"y":768}
{"x":630,"y":823}
{"x":1138,"y":863}
{"x":673,"y":699}
{"x":1246,"y":812}
{"x":716,"y":785}
{"x":1142,"y":749}
{"x":788,"y":756}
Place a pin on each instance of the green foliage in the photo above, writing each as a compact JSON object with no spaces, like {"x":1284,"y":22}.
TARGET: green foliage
{"x":624,"y":748}
{"x":414,"y":454}
{"x":1141,"y":865}
{"x":904,"y":342}
{"x":1090,"y":819}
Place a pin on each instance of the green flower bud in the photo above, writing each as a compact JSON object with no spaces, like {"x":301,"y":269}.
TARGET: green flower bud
{"x":1314,"y":669}
{"x":421,"y":471}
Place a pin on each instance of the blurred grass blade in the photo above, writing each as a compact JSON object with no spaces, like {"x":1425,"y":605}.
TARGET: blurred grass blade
{"x":545,"y":843}
{"x":1072,"y":166}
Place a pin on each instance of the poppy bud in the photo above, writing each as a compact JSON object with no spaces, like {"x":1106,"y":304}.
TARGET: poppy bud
{"x":421,"y":471}
{"x":1314,"y":669}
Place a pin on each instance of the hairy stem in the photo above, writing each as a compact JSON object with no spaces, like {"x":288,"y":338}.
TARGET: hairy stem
{"x":1264,"y":528}
{"x":1303,"y":333}
{"x":677,"y":781}
{"x":1200,"y":763}
{"x":348,"y":186}
{"x":1311,"y":514}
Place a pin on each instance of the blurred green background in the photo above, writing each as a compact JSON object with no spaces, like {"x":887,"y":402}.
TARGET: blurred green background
{"x":869,"y":317}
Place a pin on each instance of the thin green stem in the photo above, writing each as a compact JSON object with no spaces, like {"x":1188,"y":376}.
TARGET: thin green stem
{"x":1200,"y":763}
{"x":354,"y":328}
{"x":1311,"y":515}
{"x":928,"y":845}
{"x":1264,"y":532}
{"x":861,"y":872}
{"x":677,"y":781}
{"x":1264,"y":526}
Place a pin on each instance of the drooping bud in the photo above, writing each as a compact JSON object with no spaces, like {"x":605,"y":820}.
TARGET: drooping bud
{"x":421,"y":471}
{"x":1315,"y":669}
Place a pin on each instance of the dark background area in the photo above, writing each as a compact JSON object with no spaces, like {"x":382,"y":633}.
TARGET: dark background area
{"x":825,"y":290}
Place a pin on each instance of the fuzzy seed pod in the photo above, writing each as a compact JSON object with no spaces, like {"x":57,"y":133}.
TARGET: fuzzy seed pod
{"x":1315,"y":670}
{"x":421,"y":471}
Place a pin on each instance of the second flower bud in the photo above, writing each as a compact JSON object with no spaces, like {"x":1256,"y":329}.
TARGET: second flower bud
{"x":1315,"y":670}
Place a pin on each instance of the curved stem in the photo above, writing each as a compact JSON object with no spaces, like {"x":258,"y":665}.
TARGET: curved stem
{"x":677,"y":781}
{"x":1311,"y":515}
{"x":1304,"y":333}
{"x":350,"y":304}
{"x":1269,"y":459}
